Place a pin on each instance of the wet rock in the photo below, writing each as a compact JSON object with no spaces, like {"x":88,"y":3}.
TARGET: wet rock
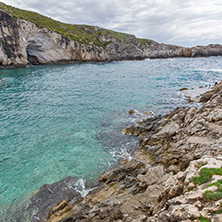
{"x":131,"y":111}
{"x":144,"y":128}
{"x":206,"y":96}
{"x":50,"y":199}
{"x":182,"y":89}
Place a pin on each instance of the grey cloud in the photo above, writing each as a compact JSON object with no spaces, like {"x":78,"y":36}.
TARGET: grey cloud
{"x":178,"y":22}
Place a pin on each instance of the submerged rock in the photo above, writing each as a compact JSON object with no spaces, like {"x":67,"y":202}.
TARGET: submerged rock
{"x":44,"y":201}
{"x":131,"y":111}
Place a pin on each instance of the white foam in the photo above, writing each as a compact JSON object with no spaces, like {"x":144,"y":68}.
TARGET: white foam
{"x":123,"y":153}
{"x":195,"y":92}
{"x":81,"y":188}
{"x":210,"y":70}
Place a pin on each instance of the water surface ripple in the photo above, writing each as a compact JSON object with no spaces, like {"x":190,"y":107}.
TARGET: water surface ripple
{"x":63,"y":120}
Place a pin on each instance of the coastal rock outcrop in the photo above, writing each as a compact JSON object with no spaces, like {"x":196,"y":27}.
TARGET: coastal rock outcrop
{"x":175,"y":175}
{"x":42,"y":202}
{"x":23,"y":42}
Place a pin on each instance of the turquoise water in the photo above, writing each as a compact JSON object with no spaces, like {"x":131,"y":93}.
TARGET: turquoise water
{"x":63,"y":120}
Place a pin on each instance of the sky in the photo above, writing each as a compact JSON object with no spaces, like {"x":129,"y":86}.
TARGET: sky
{"x":179,"y":22}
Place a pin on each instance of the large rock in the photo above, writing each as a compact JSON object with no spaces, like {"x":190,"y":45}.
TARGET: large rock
{"x":184,"y":134}
{"x":191,"y":204}
{"x":45,"y":201}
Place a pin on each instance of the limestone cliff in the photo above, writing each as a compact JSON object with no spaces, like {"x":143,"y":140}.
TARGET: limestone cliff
{"x":28,"y":41}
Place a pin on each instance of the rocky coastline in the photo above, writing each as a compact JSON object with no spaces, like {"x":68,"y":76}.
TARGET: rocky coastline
{"x":175,"y":174}
{"x":24,"y":43}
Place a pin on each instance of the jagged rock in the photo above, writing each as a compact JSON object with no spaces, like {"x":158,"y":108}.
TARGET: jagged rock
{"x":48,"y":200}
{"x":183,"y":135}
{"x":131,"y":111}
{"x":191,"y":204}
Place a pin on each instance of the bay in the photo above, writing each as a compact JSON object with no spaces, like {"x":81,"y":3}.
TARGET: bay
{"x":66,"y":120}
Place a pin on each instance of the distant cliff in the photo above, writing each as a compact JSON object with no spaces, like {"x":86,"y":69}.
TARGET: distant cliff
{"x":30,"y":38}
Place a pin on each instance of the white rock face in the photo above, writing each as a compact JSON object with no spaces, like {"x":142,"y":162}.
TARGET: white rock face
{"x":46,"y":46}
{"x":22,"y":42}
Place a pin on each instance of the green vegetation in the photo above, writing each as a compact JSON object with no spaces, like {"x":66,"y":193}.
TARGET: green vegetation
{"x":206,"y":175}
{"x":203,"y":219}
{"x":81,"y":33}
{"x":144,"y":41}
{"x":210,"y":195}
{"x":217,"y":212}
{"x":217,"y":184}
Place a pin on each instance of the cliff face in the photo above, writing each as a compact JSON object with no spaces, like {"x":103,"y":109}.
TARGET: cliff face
{"x":23,"y":42}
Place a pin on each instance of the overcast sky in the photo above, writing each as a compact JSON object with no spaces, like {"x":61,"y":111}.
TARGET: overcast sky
{"x":179,"y":22}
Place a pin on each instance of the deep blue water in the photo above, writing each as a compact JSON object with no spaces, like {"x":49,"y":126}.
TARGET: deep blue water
{"x":62,"y":120}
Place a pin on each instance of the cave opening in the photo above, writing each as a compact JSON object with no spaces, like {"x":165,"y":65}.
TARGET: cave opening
{"x":32,"y":52}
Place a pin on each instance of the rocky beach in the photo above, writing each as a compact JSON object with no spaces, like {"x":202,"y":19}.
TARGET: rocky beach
{"x":174,"y":175}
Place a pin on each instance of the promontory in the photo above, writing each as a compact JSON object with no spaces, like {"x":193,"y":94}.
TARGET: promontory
{"x":29,"y":38}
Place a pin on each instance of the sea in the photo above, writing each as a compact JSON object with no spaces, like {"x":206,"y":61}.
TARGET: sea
{"x":67,"y":120}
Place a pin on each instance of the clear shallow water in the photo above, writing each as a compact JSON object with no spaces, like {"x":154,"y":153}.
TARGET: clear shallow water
{"x":62,"y":120}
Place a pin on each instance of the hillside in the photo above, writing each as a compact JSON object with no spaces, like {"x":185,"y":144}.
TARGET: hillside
{"x":30,"y":38}
{"x":82,"y":33}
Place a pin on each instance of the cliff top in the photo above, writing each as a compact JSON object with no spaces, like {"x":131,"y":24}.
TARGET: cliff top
{"x":82,"y":33}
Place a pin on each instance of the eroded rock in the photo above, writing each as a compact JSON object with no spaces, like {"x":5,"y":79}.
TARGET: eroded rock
{"x":48,"y":200}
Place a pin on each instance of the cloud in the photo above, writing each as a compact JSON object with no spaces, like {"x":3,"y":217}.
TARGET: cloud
{"x":178,"y":22}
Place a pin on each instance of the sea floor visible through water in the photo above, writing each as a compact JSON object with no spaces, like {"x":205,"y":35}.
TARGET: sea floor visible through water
{"x":66,"y":120}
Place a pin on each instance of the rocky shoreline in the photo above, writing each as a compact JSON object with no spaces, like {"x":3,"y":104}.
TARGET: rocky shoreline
{"x":175,"y":175}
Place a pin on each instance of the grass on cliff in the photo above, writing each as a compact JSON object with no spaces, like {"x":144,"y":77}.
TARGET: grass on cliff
{"x":206,"y":175}
{"x":210,"y":195}
{"x":203,"y":219}
{"x":82,"y":33}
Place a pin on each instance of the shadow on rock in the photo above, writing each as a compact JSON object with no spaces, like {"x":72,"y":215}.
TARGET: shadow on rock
{"x":39,"y":206}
